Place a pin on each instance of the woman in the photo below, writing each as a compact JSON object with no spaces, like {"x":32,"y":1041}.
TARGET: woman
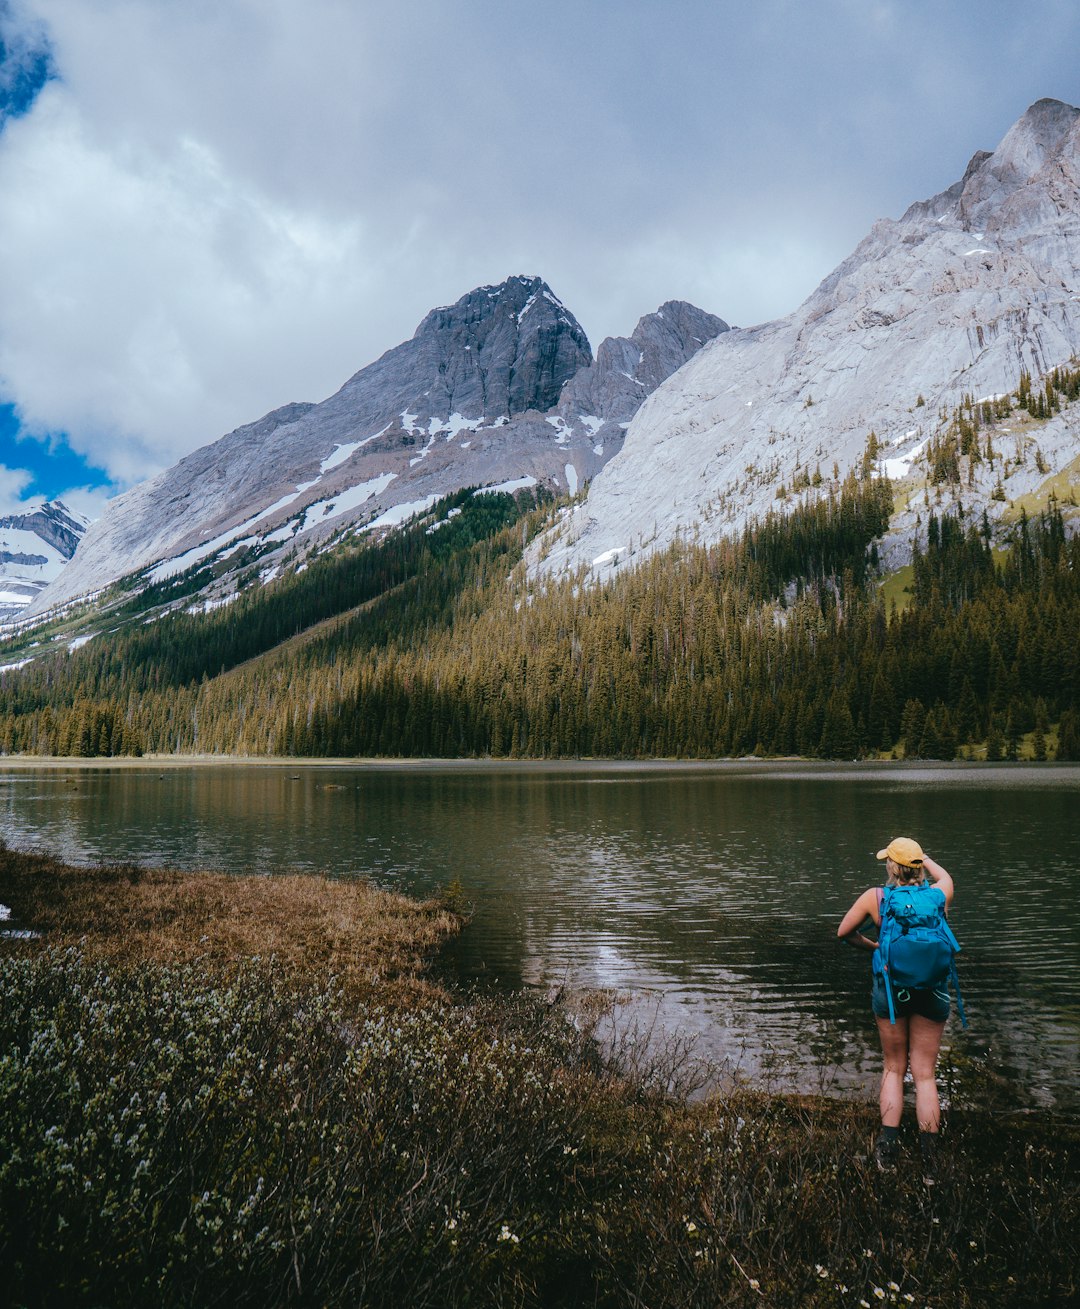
{"x":915,"y":1038}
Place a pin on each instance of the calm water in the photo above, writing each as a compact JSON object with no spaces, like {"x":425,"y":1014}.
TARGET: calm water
{"x":711,"y":893}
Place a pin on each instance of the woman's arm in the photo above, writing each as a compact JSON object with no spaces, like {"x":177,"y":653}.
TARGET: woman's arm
{"x":864,"y":907}
{"x":939,"y":877}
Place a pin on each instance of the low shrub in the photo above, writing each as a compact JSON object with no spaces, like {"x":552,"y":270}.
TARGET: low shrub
{"x":178,"y":1136}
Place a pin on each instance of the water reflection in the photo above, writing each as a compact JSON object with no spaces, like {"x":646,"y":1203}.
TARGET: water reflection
{"x":710,"y":892}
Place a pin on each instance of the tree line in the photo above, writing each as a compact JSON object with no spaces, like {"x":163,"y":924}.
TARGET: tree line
{"x":439,"y":641}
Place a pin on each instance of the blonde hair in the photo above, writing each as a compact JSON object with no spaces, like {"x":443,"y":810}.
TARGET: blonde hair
{"x":903,"y":874}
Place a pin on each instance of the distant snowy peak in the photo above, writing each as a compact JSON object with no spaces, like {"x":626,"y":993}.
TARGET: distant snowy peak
{"x":34,"y":547}
{"x":53,"y":522}
{"x":957,"y":297}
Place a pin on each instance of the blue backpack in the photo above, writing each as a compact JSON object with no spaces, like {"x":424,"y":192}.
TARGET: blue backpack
{"x":916,"y":947}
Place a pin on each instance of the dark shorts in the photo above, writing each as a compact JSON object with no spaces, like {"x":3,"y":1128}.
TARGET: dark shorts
{"x":930,"y":1004}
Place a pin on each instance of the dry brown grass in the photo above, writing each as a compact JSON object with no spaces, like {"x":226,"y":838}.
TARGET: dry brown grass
{"x":368,"y":938}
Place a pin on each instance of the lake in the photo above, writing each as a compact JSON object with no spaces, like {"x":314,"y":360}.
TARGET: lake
{"x":709,"y":894}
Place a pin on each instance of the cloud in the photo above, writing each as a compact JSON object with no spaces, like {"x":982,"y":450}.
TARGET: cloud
{"x":153,"y":295}
{"x":17,"y":494}
{"x":217,"y":208}
{"x":25,"y":60}
{"x":13,"y":483}
{"x":86,"y":500}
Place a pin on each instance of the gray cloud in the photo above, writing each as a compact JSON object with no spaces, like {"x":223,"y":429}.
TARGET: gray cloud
{"x":219,"y":208}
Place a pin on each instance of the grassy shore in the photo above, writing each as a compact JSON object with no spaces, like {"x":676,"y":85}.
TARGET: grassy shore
{"x":248,"y":1091}
{"x":368,"y":940}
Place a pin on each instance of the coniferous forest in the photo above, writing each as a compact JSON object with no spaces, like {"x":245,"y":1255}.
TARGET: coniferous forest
{"x":436,"y":641}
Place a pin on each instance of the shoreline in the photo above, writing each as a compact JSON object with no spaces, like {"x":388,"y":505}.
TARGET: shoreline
{"x":749,"y":763}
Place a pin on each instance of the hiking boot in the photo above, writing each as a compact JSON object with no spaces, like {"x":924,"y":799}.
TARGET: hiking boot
{"x":928,"y":1147}
{"x":886,"y":1151}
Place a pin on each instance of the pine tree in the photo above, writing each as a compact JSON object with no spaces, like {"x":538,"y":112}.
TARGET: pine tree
{"x":1012,"y":738}
{"x":912,"y":723}
{"x":1068,"y":747}
{"x":995,"y":744}
{"x":1038,"y":744}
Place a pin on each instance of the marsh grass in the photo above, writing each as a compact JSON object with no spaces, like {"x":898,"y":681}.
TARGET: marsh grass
{"x":313,"y":926}
{"x":200,"y":1127}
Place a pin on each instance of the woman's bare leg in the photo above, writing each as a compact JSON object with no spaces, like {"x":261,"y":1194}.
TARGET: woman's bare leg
{"x":924,"y":1043}
{"x":894,"y":1046}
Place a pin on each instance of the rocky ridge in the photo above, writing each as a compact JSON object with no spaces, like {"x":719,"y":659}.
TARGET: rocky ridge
{"x":34,"y":548}
{"x":499,"y":388}
{"x":958,"y":297}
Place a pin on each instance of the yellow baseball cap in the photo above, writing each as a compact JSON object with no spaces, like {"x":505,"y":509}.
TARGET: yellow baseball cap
{"x":903,"y":850}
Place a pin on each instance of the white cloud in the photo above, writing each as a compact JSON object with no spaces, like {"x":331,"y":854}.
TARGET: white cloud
{"x":86,"y":500}
{"x":13,"y":482}
{"x":215,"y":212}
{"x":14,"y":498}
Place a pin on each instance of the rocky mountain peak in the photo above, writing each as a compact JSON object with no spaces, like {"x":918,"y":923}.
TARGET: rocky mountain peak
{"x":496,"y":352}
{"x":1038,"y":134}
{"x":994,"y":187}
{"x":627,"y":369}
{"x":670,"y":336}
{"x":498,"y":389}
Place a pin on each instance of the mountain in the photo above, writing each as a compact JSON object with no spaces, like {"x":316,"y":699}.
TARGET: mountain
{"x":900,"y":359}
{"x":951,"y":303}
{"x":34,"y":547}
{"x":498,"y":389}
{"x":942,"y":353}
{"x":627,"y":369}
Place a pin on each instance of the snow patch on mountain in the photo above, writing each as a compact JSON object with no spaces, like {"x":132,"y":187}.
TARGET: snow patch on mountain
{"x":35,"y":547}
{"x":514,"y":484}
{"x":400,"y":513}
{"x":900,"y":466}
{"x":350,"y":498}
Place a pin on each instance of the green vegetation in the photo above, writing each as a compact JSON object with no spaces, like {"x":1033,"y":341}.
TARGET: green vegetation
{"x":193,"y":1128}
{"x":777,"y":643}
{"x":896,"y":588}
{"x":968,"y":434}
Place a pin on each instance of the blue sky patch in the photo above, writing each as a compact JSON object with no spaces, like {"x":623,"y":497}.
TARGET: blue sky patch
{"x":25,"y":67}
{"x":52,"y":463}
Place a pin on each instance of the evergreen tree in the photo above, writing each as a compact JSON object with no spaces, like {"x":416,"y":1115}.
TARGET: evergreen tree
{"x":1038,"y":744}
{"x":1012,"y":737}
{"x":912,"y":723}
{"x":1068,"y":747}
{"x":838,"y":731}
{"x":995,"y":744}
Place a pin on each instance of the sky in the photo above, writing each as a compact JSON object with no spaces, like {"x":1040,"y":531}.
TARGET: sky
{"x":210,"y":208}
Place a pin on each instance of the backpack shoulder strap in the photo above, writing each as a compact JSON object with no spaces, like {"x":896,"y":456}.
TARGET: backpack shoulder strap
{"x":885,"y":934}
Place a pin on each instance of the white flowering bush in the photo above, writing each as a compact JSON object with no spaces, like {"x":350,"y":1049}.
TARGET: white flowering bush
{"x":175,"y":1135}
{"x":215,"y":1136}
